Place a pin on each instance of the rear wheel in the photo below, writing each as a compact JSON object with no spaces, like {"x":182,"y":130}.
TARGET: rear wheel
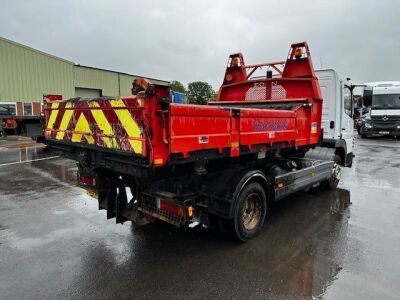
{"x":249,"y":214}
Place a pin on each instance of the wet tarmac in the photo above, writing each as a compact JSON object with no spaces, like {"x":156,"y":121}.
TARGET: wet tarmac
{"x":343,"y":244}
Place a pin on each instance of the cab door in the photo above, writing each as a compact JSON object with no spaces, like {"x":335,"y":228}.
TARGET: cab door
{"x":347,"y":123}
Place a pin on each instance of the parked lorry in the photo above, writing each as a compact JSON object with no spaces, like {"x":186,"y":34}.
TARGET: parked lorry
{"x":337,"y":118}
{"x":221,"y":164}
{"x":382,"y":103}
{"x":15,"y":120}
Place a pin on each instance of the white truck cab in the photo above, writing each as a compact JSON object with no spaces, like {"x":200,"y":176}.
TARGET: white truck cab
{"x":337,"y":118}
{"x":382,"y":100}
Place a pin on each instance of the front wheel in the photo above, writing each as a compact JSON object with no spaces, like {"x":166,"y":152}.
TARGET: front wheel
{"x":249,"y":214}
{"x":336,"y":174}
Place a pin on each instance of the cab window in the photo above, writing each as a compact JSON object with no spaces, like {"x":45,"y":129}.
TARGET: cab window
{"x":347,"y":100}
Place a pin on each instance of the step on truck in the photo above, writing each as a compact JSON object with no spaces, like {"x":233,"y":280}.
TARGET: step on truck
{"x":222,"y":164}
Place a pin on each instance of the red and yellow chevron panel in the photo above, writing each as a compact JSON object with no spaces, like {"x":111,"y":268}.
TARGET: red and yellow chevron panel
{"x":108,"y":123}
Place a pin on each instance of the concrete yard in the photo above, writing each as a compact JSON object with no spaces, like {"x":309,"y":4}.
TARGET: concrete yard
{"x":342,"y":244}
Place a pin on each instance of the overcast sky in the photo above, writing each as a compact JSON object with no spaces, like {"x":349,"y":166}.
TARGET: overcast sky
{"x":191,"y":40}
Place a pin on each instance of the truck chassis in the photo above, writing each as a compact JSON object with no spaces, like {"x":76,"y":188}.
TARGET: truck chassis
{"x":234,"y":197}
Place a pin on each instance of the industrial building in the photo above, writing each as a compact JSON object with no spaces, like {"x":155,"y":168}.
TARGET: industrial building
{"x":26,"y":74}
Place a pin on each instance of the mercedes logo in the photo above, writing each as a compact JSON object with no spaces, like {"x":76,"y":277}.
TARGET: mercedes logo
{"x":385,"y":118}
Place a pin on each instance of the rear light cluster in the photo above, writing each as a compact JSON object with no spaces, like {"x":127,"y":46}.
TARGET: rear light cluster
{"x":86,"y":180}
{"x":171,"y":209}
{"x":174,"y":209}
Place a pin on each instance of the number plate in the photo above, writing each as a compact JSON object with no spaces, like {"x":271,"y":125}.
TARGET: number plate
{"x":383,"y":132}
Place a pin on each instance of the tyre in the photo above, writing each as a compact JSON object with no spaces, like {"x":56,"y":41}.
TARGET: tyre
{"x":351,"y":162}
{"x":333,"y":181}
{"x":249,"y":213}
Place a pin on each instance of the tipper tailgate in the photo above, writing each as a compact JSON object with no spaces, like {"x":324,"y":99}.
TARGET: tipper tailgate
{"x":104,"y":122}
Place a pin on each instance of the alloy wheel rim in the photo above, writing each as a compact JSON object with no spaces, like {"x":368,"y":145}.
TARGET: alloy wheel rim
{"x":251,"y":211}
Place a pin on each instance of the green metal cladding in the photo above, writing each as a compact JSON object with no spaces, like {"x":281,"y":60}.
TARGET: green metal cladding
{"x":26,"y":74}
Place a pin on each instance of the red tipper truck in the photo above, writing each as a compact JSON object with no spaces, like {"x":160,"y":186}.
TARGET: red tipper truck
{"x":221,"y":164}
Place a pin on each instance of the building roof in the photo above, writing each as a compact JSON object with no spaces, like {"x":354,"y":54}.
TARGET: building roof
{"x":35,"y":50}
{"x":122,"y":73}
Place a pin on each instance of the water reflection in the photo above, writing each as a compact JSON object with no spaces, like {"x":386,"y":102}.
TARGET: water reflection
{"x":21,"y":154}
{"x":322,"y":249}
{"x":33,"y":169}
{"x":60,"y":168}
{"x":299,"y":253}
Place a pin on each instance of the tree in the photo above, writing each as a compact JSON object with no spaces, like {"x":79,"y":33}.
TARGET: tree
{"x":177,"y":86}
{"x":199,"y":92}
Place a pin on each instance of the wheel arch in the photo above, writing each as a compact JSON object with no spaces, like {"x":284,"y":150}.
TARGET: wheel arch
{"x":340,"y":147}
{"x":341,"y":152}
{"x":246,"y":178}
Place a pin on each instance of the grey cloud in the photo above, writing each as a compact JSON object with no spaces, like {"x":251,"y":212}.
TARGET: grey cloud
{"x":191,"y":40}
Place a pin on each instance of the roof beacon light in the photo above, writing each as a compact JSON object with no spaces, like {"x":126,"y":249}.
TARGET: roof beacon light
{"x":235,"y":61}
{"x":298,"y":53}
{"x":228,"y":77}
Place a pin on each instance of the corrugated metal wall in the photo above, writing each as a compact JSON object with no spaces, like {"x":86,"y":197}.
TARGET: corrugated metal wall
{"x":126,"y":84}
{"x":111,"y":83}
{"x":27,"y":74}
{"x":90,"y":78}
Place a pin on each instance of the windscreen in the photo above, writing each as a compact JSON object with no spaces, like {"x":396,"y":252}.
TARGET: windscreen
{"x":386,"y":101}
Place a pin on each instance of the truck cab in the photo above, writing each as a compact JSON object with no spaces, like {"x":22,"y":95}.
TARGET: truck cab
{"x":382,"y":103}
{"x":337,"y":121}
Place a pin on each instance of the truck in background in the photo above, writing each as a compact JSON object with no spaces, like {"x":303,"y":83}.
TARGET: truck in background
{"x":21,"y":118}
{"x":178,"y":97}
{"x":337,"y":119}
{"x":27,"y":124}
{"x":382,"y":114}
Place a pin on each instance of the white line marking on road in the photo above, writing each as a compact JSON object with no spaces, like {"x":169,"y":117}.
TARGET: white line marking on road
{"x":27,"y":161}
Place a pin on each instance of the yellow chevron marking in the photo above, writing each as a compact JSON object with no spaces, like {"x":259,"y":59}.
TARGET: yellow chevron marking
{"x":103,"y":124}
{"x":82,"y":128}
{"x":53,"y":115}
{"x":65,"y":121}
{"x":131,"y":127}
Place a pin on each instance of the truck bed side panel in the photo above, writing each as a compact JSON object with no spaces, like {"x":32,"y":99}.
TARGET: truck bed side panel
{"x":266,"y":126}
{"x":194,"y":128}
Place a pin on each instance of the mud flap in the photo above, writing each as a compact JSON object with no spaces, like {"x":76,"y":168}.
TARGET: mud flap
{"x":107,"y":196}
{"x":121,"y":204}
{"x":111,"y":201}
